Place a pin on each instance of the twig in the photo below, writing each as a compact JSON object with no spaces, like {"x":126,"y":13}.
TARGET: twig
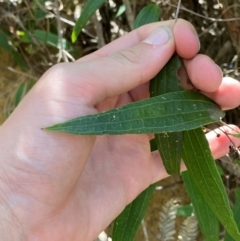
{"x":22,"y":73}
{"x":99,"y":31}
{"x":177,"y":11}
{"x":202,"y":16}
{"x":129,"y":13}
{"x":59,"y":28}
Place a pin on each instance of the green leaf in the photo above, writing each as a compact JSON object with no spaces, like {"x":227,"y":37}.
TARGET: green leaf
{"x":185,"y":210}
{"x":48,"y":38}
{"x":6,"y":45}
{"x":88,"y":10}
{"x":127,"y":223}
{"x":22,"y":91}
{"x":236,"y":135}
{"x":203,"y":171}
{"x":167,"y":79}
{"x":169,"y":144}
{"x":207,"y":220}
{"x":172,"y":112}
{"x":121,"y":10}
{"x":236,"y":212}
{"x":170,"y":148}
{"x":149,"y":14}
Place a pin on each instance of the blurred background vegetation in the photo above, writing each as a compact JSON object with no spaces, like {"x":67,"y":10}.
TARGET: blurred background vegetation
{"x":36,"y":34}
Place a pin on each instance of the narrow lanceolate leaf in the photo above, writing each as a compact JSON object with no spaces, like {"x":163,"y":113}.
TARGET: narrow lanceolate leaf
{"x":172,"y":112}
{"x":88,"y":10}
{"x":170,"y":144}
{"x":127,"y":223}
{"x":207,"y":220}
{"x":149,"y":14}
{"x":236,"y":212}
{"x":203,"y":171}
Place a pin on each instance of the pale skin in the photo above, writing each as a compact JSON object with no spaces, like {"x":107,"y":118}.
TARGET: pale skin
{"x":57,"y":186}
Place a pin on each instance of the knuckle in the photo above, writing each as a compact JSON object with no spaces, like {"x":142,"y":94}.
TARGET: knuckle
{"x":129,"y":56}
{"x":58,"y":71}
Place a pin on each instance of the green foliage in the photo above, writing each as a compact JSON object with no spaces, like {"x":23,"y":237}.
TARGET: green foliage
{"x":48,"y":38}
{"x":22,"y":91}
{"x":169,"y":145}
{"x":207,"y":220}
{"x":127,"y":223}
{"x":89,"y":9}
{"x":202,"y":181}
{"x":149,"y":14}
{"x":203,"y":171}
{"x":172,"y":112}
{"x":176,"y":114}
{"x":6,"y":44}
{"x":185,"y":210}
{"x":236,"y":211}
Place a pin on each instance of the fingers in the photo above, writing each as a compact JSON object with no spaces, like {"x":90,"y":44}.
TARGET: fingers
{"x":219,"y":145}
{"x":187,"y":42}
{"x":227,"y":96}
{"x":124,"y":70}
{"x":204,"y":74}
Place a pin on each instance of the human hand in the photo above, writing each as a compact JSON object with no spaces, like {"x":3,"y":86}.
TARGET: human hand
{"x":57,"y":186}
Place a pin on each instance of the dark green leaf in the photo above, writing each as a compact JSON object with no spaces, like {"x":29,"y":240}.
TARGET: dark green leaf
{"x":127,"y":223}
{"x":236,"y":212}
{"x":167,"y":79}
{"x":170,"y":148}
{"x":149,"y":14}
{"x":207,"y":220}
{"x":172,"y":112}
{"x":170,"y":144}
{"x":88,"y":10}
{"x":5,"y":44}
{"x":203,"y":171}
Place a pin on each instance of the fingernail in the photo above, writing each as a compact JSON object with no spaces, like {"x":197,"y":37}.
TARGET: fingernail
{"x":159,"y":36}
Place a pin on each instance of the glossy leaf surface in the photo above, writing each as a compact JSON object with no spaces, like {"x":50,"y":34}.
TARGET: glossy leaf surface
{"x":127,"y":223}
{"x":172,"y":112}
{"x":203,"y":171}
{"x":88,"y":10}
{"x":149,"y":14}
{"x":169,"y":145}
{"x":207,"y":220}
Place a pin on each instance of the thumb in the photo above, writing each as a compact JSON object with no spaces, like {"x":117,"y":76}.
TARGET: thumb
{"x":124,"y":70}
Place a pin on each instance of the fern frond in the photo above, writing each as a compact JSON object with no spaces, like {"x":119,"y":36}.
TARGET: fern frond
{"x":167,"y":220}
{"x":189,"y":229}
